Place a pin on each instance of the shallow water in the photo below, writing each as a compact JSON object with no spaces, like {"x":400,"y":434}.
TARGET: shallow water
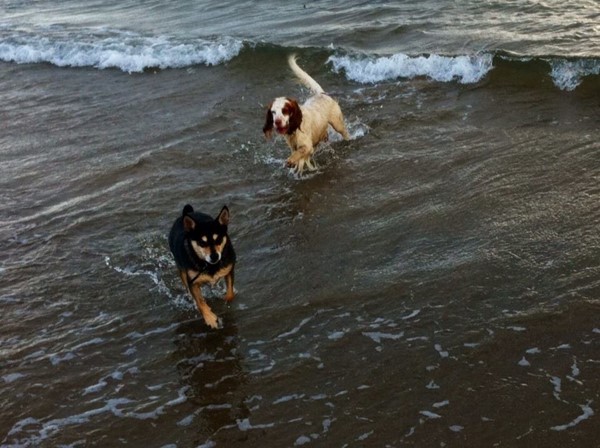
{"x":435,"y":283}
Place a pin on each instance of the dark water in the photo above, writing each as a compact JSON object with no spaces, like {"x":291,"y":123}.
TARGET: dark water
{"x":435,"y":283}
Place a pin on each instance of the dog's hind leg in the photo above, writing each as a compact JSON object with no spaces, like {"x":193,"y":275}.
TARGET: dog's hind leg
{"x":337,"y":123}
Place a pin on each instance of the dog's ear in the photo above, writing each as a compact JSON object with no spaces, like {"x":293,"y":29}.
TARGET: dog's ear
{"x":268,"y":127}
{"x":295,"y":116}
{"x":223,"y":217}
{"x":188,"y":222}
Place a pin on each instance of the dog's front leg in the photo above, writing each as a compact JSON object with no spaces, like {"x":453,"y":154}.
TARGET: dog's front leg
{"x":298,"y":158}
{"x":230,"y":294}
{"x":210,"y":318}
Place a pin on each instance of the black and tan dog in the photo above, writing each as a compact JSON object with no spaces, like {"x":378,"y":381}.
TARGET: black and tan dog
{"x":203,"y":254}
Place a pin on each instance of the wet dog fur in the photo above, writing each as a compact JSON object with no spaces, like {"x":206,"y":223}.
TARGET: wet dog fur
{"x":203,"y":254}
{"x":304,"y":126}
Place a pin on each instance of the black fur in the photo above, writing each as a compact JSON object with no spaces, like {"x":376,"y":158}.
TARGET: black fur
{"x":180,"y":239}
{"x":268,"y":127}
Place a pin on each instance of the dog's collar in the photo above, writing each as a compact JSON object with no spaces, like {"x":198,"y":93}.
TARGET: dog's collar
{"x":192,"y":280}
{"x":199,"y":265}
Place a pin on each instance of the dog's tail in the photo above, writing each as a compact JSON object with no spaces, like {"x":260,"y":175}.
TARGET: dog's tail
{"x":304,"y":77}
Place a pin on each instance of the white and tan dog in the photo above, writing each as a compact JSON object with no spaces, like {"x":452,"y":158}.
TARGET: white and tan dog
{"x":304,"y":126}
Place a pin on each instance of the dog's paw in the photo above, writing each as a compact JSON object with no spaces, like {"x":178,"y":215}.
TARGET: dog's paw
{"x":213,"y":321}
{"x":311,"y":164}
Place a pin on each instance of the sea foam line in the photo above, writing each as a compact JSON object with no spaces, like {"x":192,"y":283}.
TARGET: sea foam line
{"x":587,"y":413}
{"x":103,"y":49}
{"x":466,"y":69}
{"x":46,"y":430}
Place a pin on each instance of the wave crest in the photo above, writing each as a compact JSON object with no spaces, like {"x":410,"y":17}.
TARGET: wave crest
{"x":567,"y":75}
{"x":125,"y":51}
{"x":465,"y":69}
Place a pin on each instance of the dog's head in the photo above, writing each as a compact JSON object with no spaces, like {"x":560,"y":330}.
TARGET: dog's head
{"x":283,"y":115}
{"x":207,"y":238}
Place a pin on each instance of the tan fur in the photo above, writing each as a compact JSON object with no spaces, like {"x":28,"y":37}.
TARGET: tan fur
{"x":204,"y":252}
{"x":195,"y":290}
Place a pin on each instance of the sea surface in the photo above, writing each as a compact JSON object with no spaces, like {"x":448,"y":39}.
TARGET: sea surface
{"x":435,"y":283}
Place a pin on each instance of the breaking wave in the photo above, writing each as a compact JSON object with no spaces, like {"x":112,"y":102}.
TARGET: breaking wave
{"x":567,"y":75}
{"x":132,"y":52}
{"x":129,"y":52}
{"x":368,"y":70}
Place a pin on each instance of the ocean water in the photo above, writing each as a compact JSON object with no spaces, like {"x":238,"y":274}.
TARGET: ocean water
{"x":434,"y":283}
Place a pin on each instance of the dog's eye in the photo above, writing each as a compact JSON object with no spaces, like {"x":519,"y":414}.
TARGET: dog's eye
{"x":272,"y":112}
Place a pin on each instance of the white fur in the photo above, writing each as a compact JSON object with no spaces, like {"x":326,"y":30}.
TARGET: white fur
{"x":318,"y":112}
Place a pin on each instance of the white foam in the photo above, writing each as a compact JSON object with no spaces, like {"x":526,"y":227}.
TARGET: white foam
{"x":57,"y":359}
{"x":441,"y":404}
{"x":587,"y":413}
{"x":557,"y":383}
{"x":334,"y":336}
{"x":51,"y":427}
{"x":94,"y":341}
{"x":443,"y":353}
{"x":9,"y":378}
{"x":219,"y":381}
{"x":523,"y":362}
{"x":411,"y":315}
{"x":466,"y":69}
{"x":377,"y":336}
{"x":365,"y":436}
{"x":430,"y":414}
{"x":186,"y":421}
{"x":302,"y":440}
{"x":533,"y":351}
{"x":289,"y":398}
{"x":95,"y":388}
{"x":208,"y":444}
{"x":136,"y":335}
{"x":296,"y":329}
{"x":574,"y":369}
{"x":567,"y":75}
{"x":181,"y":397}
{"x":103,"y":49}
{"x":245,"y":425}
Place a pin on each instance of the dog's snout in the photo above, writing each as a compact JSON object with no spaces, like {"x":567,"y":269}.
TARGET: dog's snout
{"x":215,"y":257}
